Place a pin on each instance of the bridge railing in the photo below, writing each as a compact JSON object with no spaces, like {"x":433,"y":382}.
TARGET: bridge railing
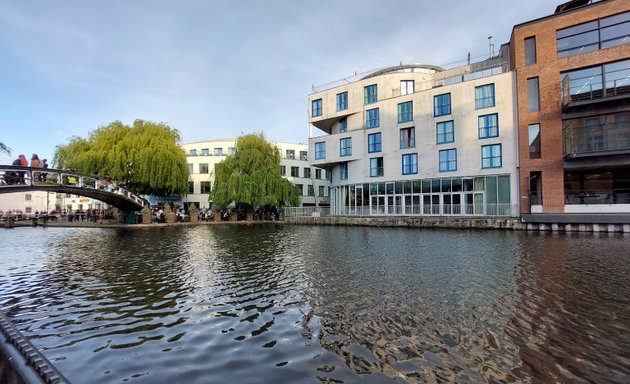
{"x":12,"y":176}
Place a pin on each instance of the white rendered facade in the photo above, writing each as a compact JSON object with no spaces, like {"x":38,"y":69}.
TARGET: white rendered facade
{"x":440,"y":143}
{"x":294,"y":166}
{"x":28,"y":202}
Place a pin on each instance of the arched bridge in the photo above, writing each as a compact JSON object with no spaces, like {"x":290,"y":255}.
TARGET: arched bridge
{"x":23,"y":179}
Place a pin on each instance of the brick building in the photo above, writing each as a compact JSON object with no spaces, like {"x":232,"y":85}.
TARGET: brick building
{"x":573,"y":103}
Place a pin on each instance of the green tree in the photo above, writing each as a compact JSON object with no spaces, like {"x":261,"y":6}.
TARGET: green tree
{"x":146,"y":156}
{"x":251,"y":177}
{"x":5,"y":149}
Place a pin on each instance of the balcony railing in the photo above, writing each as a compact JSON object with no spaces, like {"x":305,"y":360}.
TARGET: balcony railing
{"x":589,"y":90}
{"x":595,"y":139}
{"x":609,"y":196}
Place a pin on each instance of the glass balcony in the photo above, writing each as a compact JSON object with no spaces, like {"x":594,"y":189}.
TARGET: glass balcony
{"x":595,"y":139}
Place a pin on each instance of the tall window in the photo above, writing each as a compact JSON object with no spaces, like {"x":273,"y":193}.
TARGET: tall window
{"x":410,"y":164}
{"x":218,"y":151}
{"x":320,"y":150}
{"x":322,"y":191}
{"x":408,"y":138}
{"x":345,"y":146}
{"x":205,"y":151}
{"x":191,"y":187}
{"x":316,"y":108}
{"x":290,"y":154}
{"x":374,"y":142}
{"x":343,"y":171}
{"x":318,"y":173}
{"x":484,"y":96}
{"x":530,"y":50}
{"x":442,"y":105}
{"x":193,"y":152}
{"x":283,"y":170}
{"x":190,"y":168}
{"x":370,"y":94}
{"x":593,"y":35}
{"x":448,"y":160}
{"x":376,"y":167}
{"x":307,"y":173}
{"x":406,"y":87}
{"x":372,"y":118}
{"x":300,"y":189}
{"x":206,"y":186}
{"x":534,"y":141}
{"x":342,"y":101}
{"x":488,"y":126}
{"x":491,"y":156}
{"x":445,"y":132}
{"x":533,"y":104}
{"x":304,"y":155}
{"x":203,"y":168}
{"x":343,"y":125}
{"x":295,"y":171}
{"x":310,"y":191}
{"x":405,"y":112}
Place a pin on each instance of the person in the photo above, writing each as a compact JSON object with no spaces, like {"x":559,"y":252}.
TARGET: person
{"x":36,"y":163}
{"x":19,"y":175}
{"x":43,"y":175}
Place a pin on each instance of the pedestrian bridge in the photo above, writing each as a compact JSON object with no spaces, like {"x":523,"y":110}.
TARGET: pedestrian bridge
{"x":25,"y":179}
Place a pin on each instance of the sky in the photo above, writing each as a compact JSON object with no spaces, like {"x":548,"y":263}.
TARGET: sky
{"x":215,"y":69}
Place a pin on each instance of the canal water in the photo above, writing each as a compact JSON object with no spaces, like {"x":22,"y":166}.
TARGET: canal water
{"x":293,"y":304}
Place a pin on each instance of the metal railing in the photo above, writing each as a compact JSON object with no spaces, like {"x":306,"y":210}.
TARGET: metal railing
{"x":611,"y":196}
{"x":592,"y":88}
{"x":473,"y":210}
{"x":605,"y":137}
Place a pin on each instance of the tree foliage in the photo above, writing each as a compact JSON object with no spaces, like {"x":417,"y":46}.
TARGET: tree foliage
{"x":146,"y":156}
{"x":5,"y":149}
{"x":251,"y":177}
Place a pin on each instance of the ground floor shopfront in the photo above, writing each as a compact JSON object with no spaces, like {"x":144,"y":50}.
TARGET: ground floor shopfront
{"x":491,"y":195}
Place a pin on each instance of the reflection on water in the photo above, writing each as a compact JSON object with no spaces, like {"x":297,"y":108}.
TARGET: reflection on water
{"x":274,"y":303}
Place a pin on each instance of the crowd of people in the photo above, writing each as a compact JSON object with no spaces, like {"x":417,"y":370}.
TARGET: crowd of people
{"x":79,"y":215}
{"x":18,"y":177}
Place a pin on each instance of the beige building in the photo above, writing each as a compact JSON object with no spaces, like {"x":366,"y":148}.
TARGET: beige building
{"x":311,"y":183}
{"x":28,"y":202}
{"x":419,"y":140}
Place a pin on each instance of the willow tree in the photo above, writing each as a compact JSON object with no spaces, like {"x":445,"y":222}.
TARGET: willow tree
{"x":5,"y":149}
{"x":145,"y":156}
{"x":251,"y":177}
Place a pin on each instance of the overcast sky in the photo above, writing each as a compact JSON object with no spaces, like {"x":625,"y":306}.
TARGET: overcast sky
{"x":215,"y":69}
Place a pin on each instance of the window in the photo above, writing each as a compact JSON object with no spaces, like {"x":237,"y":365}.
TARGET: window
{"x":343,"y":171}
{"x":316,"y":108}
{"x":190,"y":168}
{"x":304,"y":155}
{"x":307,"y":173}
{"x":442,"y":105}
{"x":320,"y":150}
{"x":290,"y":154}
{"x":371,"y":118}
{"x":530,"y":50}
{"x":203,"y":168}
{"x":491,"y":156}
{"x":408,"y":138}
{"x":28,"y":197}
{"x":593,"y":35}
{"x":310,"y":190}
{"x":448,"y":160}
{"x":370,"y":94}
{"x":410,"y":164}
{"x":205,"y":151}
{"x":295,"y":171}
{"x":342,"y":101}
{"x":218,"y":151}
{"x":300,"y":189}
{"x":322,"y":191}
{"x":534,"y":141}
{"x":193,"y":152}
{"x":406,"y":87}
{"x":191,"y":187}
{"x":231,"y":151}
{"x":345,"y":146}
{"x":376,"y":167}
{"x":445,"y":132}
{"x":405,"y":112}
{"x":206,"y":186}
{"x":533,"y":104}
{"x":484,"y":96}
{"x":374,"y":142}
{"x":343,"y":124}
{"x":318,"y":174}
{"x":283,"y":170}
{"x":606,"y":80}
{"x":488,"y":126}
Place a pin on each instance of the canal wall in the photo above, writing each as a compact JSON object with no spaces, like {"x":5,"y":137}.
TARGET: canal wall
{"x":510,"y":223}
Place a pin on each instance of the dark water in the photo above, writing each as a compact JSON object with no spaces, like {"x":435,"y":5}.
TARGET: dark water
{"x":290,"y":304}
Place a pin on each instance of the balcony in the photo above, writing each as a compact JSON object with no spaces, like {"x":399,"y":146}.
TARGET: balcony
{"x":597,"y":139}
{"x":606,"y":83}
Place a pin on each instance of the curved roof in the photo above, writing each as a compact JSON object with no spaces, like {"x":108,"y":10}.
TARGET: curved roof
{"x":405,"y":68}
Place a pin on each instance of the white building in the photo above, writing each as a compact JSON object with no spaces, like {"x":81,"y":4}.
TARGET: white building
{"x":202,"y":156}
{"x":420,"y":140}
{"x":28,"y":202}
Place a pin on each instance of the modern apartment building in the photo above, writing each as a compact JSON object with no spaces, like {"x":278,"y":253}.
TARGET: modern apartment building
{"x":312,"y":184}
{"x":420,"y":140}
{"x":573,"y":90}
